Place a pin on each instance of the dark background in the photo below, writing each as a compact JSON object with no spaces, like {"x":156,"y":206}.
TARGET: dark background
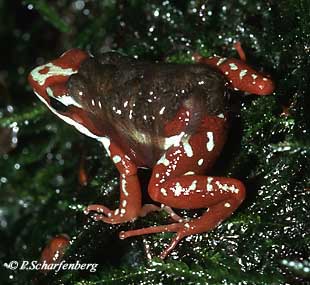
{"x":265,"y":242}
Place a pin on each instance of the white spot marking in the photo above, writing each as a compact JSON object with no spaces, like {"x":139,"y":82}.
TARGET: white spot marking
{"x":163,"y":191}
{"x":227,"y":205}
{"x":221,"y":116}
{"x":117,"y":159}
{"x":162,"y":110}
{"x":186,"y":225}
{"x":174,"y":140}
{"x":187,"y":147}
{"x":242,"y":73}
{"x":200,"y":161}
{"x":254,"y":76}
{"x":124,"y":203}
{"x":233,"y":66}
{"x":221,"y":60}
{"x":224,"y":187}
{"x":210,"y":143}
{"x":178,"y":189}
{"x":124,"y":183}
{"x":163,"y":160}
{"x":233,"y":189}
{"x":190,"y":173}
{"x":193,"y":185}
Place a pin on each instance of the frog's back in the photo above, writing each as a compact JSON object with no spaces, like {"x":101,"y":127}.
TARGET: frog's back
{"x":136,"y":100}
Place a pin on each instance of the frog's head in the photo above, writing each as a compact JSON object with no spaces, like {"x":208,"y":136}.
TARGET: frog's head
{"x":50,"y":84}
{"x":49,"y":80}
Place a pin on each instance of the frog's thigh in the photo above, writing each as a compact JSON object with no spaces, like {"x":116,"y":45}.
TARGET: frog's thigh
{"x":175,"y":181}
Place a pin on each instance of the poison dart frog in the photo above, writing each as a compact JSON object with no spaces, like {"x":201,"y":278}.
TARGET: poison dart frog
{"x":171,"y":118}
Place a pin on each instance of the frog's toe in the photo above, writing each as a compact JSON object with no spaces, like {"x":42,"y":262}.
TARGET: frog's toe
{"x":99,"y":209}
{"x":179,"y":228}
{"x":113,"y":218}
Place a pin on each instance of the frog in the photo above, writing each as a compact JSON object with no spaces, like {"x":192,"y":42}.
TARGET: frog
{"x":168,"y":117}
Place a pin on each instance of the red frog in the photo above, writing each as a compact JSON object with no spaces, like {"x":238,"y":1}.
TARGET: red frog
{"x":171,"y":118}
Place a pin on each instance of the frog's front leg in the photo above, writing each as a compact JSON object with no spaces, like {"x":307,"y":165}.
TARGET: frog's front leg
{"x":171,"y":185}
{"x":130,"y":192}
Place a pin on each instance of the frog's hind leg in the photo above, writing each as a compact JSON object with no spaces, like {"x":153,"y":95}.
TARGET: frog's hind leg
{"x":222,"y":196}
{"x":171,"y":185}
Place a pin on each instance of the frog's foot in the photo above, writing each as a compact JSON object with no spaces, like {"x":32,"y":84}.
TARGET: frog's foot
{"x":118,"y":216}
{"x":175,"y":227}
{"x":98,"y":208}
{"x":221,"y":195}
{"x":208,"y":221}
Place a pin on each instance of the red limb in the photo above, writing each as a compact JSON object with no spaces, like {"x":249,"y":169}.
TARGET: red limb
{"x":130,"y":193}
{"x":240,"y":76}
{"x":240,"y":51}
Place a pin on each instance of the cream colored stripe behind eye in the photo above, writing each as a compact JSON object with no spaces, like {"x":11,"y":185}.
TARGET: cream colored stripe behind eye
{"x":53,"y":70}
{"x":104,"y":140}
